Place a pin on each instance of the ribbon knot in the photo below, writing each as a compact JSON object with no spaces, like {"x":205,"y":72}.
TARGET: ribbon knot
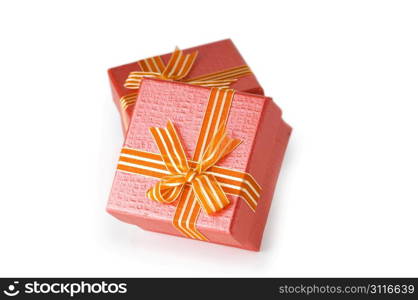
{"x":208,"y":191}
{"x":190,"y":175}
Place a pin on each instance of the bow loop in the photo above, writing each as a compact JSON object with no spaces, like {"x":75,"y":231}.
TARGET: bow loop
{"x":220,"y":146}
{"x":209,"y":193}
{"x":179,"y":65}
{"x":166,"y":191}
{"x":171,"y":149}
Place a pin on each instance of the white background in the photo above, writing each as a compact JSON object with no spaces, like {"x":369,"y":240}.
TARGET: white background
{"x":345,"y":74}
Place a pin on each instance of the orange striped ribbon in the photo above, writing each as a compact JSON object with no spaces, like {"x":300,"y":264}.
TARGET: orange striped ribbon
{"x":128,"y":100}
{"x":177,"y":69}
{"x":198,"y":183}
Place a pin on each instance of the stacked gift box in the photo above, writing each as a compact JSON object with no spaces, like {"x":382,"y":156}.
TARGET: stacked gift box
{"x":203,"y":146}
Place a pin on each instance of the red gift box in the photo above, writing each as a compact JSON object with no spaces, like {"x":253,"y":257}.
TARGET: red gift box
{"x":253,"y":119}
{"x":211,"y":58}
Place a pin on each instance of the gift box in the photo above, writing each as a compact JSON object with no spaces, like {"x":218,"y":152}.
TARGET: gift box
{"x":200,"y":162}
{"x":215,"y":61}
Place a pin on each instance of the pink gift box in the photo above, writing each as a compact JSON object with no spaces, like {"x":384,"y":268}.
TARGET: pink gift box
{"x":212,"y":57}
{"x":254,"y":119}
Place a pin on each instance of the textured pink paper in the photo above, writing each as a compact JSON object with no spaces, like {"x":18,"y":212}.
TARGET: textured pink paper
{"x":185,"y":105}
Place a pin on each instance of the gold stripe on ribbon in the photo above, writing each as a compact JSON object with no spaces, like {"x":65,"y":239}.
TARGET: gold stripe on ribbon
{"x":177,"y":69}
{"x":229,"y":74}
{"x":198,"y":183}
{"x":127,"y":100}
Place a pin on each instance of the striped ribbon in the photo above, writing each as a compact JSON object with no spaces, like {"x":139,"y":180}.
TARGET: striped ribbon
{"x":177,"y":69}
{"x":198,"y":183}
{"x":128,"y":100}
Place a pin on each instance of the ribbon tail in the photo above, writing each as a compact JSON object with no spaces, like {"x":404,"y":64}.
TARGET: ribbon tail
{"x":209,"y":193}
{"x":186,"y":214}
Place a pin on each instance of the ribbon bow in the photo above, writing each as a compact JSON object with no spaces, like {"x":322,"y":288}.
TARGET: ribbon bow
{"x":177,"y":69}
{"x":206,"y":188}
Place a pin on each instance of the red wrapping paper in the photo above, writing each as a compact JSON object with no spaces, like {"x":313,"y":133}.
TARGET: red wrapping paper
{"x":254,"y":119}
{"x":213,"y":57}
